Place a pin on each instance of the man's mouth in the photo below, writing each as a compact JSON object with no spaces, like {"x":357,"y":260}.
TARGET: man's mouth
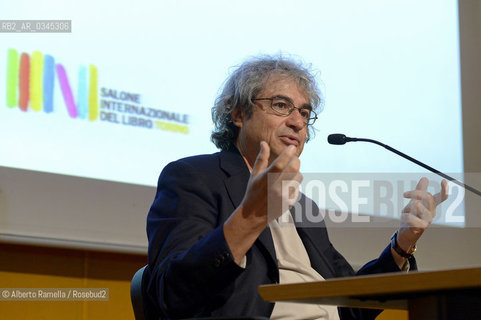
{"x":290,"y":140}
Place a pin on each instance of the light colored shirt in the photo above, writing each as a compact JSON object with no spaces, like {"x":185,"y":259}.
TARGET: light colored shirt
{"x":294,"y":267}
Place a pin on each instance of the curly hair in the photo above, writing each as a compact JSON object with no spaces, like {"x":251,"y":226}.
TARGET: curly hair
{"x":243,"y":85}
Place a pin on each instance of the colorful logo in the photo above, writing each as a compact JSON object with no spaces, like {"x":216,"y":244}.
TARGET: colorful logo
{"x":30,"y":82}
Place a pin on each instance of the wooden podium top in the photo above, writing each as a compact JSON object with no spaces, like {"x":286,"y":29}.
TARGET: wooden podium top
{"x":389,"y":290}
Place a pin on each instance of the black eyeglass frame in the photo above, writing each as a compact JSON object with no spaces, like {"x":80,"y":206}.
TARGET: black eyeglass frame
{"x":307,"y":123}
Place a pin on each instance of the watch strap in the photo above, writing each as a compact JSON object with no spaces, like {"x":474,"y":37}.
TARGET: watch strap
{"x":395,"y":246}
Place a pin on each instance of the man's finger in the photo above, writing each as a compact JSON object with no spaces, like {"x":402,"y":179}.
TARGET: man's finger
{"x":420,"y":191}
{"x":416,"y":223}
{"x":294,"y":165}
{"x":417,"y":207}
{"x":422,"y":184}
{"x":284,"y":159}
{"x":262,"y":159}
{"x":443,"y":195}
{"x":416,"y":194}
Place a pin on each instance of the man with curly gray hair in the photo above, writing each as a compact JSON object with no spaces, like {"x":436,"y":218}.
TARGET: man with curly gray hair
{"x":216,"y":228}
{"x":243,"y":86}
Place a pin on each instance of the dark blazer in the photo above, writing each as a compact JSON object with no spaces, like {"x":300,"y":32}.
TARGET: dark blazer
{"x":191,"y":271}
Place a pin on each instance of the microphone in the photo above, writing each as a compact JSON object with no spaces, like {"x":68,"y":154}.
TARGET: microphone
{"x":339,"y":139}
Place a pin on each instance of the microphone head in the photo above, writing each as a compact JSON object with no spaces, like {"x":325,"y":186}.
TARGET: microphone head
{"x":336,"y":138}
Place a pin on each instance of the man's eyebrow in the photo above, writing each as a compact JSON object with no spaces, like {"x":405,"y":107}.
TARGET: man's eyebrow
{"x":304,"y":106}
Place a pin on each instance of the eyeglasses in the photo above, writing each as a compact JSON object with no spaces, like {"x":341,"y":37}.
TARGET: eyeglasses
{"x":284,"y":107}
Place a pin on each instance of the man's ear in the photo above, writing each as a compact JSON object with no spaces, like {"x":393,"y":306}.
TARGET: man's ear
{"x":237,"y":117}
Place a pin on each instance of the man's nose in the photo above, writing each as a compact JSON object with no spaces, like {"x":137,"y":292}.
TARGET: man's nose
{"x":295,"y":119}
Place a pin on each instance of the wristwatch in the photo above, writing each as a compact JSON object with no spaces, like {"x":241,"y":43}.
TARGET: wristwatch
{"x":395,"y":246}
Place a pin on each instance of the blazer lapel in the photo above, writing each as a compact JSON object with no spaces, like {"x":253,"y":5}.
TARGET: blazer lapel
{"x":232,"y":163}
{"x":237,"y":175}
{"x":318,"y":260}
{"x":312,"y":237}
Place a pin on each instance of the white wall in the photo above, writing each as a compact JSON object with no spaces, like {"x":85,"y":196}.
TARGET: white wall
{"x":441,"y":248}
